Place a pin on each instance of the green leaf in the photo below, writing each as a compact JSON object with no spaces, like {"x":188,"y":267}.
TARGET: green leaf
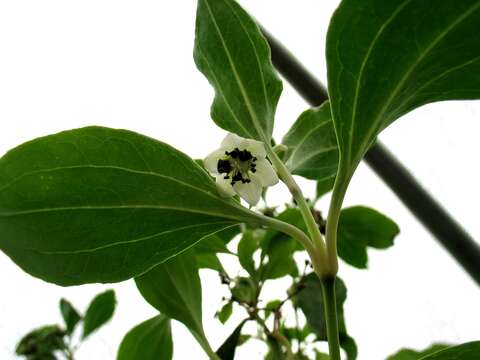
{"x":99,"y":312}
{"x":467,"y":351}
{"x":312,"y":147}
{"x":409,"y":354}
{"x":234,"y":56}
{"x":174,"y":289}
{"x":361,"y":227}
{"x":217,"y":243}
{"x":209,"y":261}
{"x":280,"y":259}
{"x":309,"y":299}
{"x":291,"y":216}
{"x":42,"y":342}
{"x":150,"y":340}
{"x":321,"y":356}
{"x":248,"y":244}
{"x":386,"y":58}
{"x":225,"y":312}
{"x":228,"y":348}
{"x":70,"y":315}
{"x":104,"y":205}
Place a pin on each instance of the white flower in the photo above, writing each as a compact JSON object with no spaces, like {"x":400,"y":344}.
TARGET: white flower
{"x":241,"y":167}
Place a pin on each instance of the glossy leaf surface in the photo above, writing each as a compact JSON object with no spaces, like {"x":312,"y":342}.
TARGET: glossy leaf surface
{"x":407,"y":53}
{"x":99,"y":312}
{"x":361,"y":227}
{"x":312,"y":146}
{"x":150,"y":340}
{"x":103,"y":205}
{"x":234,"y":56}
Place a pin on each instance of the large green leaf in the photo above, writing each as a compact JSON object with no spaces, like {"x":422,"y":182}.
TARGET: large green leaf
{"x":467,"y":351}
{"x":409,"y":354}
{"x":233,"y":54}
{"x":104,"y":205}
{"x":247,"y":246}
{"x":99,"y":312}
{"x":70,"y":315}
{"x":174,"y":289}
{"x":150,"y":340}
{"x":361,"y":227}
{"x":386,"y":58}
{"x":309,"y":299}
{"x":312,"y":146}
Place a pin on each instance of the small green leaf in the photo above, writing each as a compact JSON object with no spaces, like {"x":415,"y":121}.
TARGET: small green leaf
{"x":234,"y":56}
{"x":99,"y":312}
{"x":70,"y":315}
{"x":361,"y":227}
{"x":291,"y":216}
{"x":150,"y":340}
{"x":225,"y":312}
{"x":248,"y":244}
{"x":312,"y":147}
{"x":174,"y":289}
{"x":467,"y":351}
{"x":228,"y":348}
{"x":280,"y":259}
{"x":309,"y":299}
{"x":42,"y":342}
{"x":409,"y":354}
{"x":104,"y":205}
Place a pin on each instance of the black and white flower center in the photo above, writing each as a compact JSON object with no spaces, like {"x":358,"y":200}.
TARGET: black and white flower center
{"x":236,"y":166}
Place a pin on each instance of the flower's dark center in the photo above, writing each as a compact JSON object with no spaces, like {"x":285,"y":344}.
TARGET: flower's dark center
{"x":237,"y":166}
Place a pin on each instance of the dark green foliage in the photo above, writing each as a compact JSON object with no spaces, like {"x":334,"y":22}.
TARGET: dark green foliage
{"x":99,"y":312}
{"x":228,"y":348}
{"x":70,"y":315}
{"x":41,"y":343}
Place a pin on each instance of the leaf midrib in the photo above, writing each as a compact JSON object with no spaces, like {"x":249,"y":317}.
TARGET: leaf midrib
{"x":423,"y":54}
{"x":126,"y":242}
{"x":239,"y":82}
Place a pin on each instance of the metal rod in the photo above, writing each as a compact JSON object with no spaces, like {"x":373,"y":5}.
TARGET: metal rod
{"x":420,"y":203}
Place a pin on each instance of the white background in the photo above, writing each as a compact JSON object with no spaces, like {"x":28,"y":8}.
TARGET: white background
{"x":128,"y":64}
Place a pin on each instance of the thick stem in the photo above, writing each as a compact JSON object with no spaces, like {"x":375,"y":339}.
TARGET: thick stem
{"x":328,"y":292}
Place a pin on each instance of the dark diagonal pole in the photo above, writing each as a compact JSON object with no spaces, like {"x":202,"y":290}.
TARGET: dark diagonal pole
{"x":422,"y":205}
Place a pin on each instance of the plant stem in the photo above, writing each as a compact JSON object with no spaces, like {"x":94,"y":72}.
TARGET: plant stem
{"x":328,"y":292}
{"x":203,"y":342}
{"x":317,"y":238}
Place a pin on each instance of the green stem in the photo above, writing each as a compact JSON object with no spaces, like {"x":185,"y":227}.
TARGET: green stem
{"x":328,"y":292}
{"x":314,"y":231}
{"x":338,"y":194}
{"x":202,"y":340}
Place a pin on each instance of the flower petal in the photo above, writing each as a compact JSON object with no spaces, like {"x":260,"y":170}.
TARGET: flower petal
{"x":231,"y":141}
{"x":211,"y":161}
{"x":250,"y":192}
{"x":257,"y":148}
{"x":224,"y":187}
{"x":265,"y":174}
